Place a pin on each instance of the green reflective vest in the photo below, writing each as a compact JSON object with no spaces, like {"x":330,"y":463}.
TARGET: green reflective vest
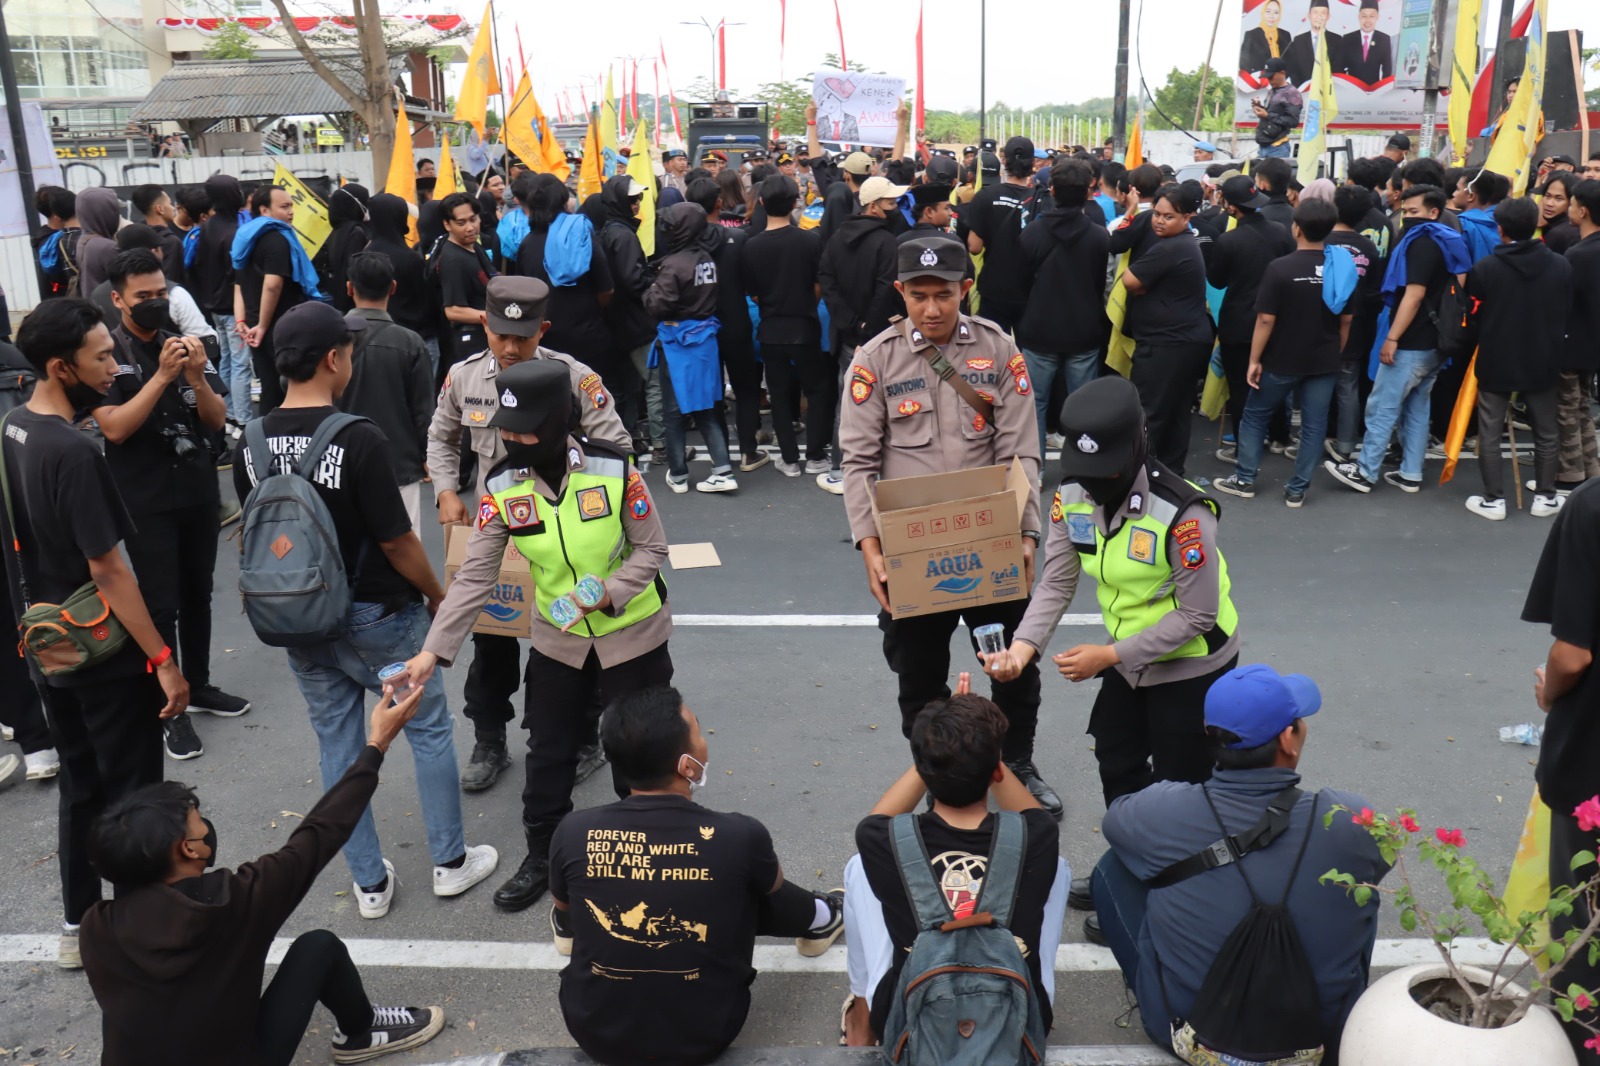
{"x":1134,"y":579}
{"x":580,"y":534}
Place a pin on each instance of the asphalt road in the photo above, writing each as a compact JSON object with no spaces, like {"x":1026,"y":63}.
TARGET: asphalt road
{"x":1403,"y":608}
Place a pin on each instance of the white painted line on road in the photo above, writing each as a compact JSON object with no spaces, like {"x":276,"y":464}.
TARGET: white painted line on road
{"x":823,"y":621}
{"x":769,"y":958}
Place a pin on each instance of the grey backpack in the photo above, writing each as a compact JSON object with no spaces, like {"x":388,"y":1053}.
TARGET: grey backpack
{"x":291,"y":575}
{"x":965,"y":996}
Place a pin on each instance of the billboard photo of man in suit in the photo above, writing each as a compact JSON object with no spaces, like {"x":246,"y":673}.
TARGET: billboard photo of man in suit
{"x":1367,"y":55}
{"x":1302,"y":54}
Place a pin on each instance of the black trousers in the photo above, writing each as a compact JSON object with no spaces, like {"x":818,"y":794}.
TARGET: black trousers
{"x":918,"y":651}
{"x":492,"y":679}
{"x":791,"y":370}
{"x":263,"y":360}
{"x":1165,"y":375}
{"x":315,"y":969}
{"x":744,"y":374}
{"x":557,"y":700}
{"x":174,"y":555}
{"x":109,"y":738}
{"x":1566,"y":840}
{"x":23,"y":710}
{"x":1154,"y":733}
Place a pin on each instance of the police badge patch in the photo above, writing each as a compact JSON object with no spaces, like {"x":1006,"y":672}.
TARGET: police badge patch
{"x":593,"y":503}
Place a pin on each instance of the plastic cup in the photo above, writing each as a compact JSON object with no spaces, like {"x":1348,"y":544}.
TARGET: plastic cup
{"x":588,"y":592}
{"x":564,"y":611}
{"x":395,"y":674}
{"x":991,"y":638}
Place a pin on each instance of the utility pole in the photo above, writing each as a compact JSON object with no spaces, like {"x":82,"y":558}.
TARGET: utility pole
{"x":19,"y":140}
{"x":983,"y":57}
{"x":1200,"y":99}
{"x":1430,"y":82}
{"x":1119,"y":104}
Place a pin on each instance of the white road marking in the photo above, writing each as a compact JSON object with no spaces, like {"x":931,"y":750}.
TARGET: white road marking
{"x":769,"y":958}
{"x":824,"y":621}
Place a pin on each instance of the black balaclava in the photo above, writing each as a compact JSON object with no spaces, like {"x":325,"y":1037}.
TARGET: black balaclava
{"x":1110,"y":492}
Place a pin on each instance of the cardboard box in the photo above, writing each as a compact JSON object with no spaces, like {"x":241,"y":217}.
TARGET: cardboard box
{"x":952,"y":541}
{"x":509,"y":612}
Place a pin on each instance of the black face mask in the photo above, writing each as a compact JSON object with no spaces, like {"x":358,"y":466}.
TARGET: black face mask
{"x":83,"y":397}
{"x":550,"y":454}
{"x":210,"y":841}
{"x":150,"y":315}
{"x":1407,"y":223}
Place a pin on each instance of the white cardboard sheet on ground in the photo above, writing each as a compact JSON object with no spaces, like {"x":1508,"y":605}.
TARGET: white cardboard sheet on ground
{"x":693,"y":556}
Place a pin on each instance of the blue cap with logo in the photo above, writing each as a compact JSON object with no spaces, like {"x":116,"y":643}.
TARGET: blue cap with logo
{"x":1205,"y":146}
{"x":1256,"y":703}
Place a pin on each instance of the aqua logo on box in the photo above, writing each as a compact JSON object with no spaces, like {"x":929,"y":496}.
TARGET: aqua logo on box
{"x":500,"y":606}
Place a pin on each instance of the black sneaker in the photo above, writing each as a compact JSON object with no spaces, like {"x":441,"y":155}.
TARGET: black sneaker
{"x":1080,"y":896}
{"x":1348,"y":474}
{"x":1334,"y":453}
{"x":489,"y":760}
{"x":393,"y":1029}
{"x":182,"y":741}
{"x":1245,"y":490}
{"x":590,"y":759}
{"x":1028,"y":774}
{"x":213,"y":700}
{"x":1092,"y":931}
{"x":561,"y":930}
{"x":1404,"y":484}
{"x":822,"y":939}
{"x":1291,"y":499}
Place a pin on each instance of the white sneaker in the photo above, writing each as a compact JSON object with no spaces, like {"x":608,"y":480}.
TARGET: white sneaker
{"x":376,"y":904}
{"x":42,"y":764}
{"x":10,"y":770}
{"x":788,"y":469}
{"x":1545,"y":506}
{"x":831,"y":482}
{"x":1533,"y":486}
{"x":1055,"y":441}
{"x":678,"y":485}
{"x":68,"y":957}
{"x":718,"y":483}
{"x":818,"y":466}
{"x":7,"y":734}
{"x":480,"y":863}
{"x":1493,"y":510}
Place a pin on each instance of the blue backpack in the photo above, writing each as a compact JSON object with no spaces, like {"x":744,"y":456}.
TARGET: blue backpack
{"x":291,"y":574}
{"x":965,"y":997}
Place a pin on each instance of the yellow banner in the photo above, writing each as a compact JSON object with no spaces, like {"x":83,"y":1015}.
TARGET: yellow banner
{"x":402,"y":179}
{"x":590,"y":180}
{"x":640,"y":169}
{"x":480,"y":82}
{"x":1119,"y":352}
{"x":1521,"y":125}
{"x":1321,"y":110}
{"x":311,"y":223}
{"x":1463,"y":72}
{"x":446,"y":178}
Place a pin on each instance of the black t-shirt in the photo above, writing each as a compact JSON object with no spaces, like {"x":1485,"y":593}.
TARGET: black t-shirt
{"x":1173,"y":309}
{"x":464,"y":276}
{"x":997,"y":215}
{"x":663,"y":896}
{"x":1305,"y":337}
{"x":1563,"y":594}
{"x":152,"y":476}
{"x":1424,"y":266}
{"x":271,"y":255}
{"x":779,"y":268}
{"x":356,"y":480}
{"x":213,"y":273}
{"x":1365,"y":302}
{"x":1375,"y":228}
{"x":577,"y":327}
{"x":959,"y":857}
{"x":68,"y":511}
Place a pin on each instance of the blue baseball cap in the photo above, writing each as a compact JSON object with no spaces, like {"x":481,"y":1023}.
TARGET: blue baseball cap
{"x":1205,"y":146}
{"x":1256,"y":703}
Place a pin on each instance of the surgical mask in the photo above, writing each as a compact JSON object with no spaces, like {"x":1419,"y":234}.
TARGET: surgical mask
{"x":705,"y":773}
{"x":150,"y":314}
{"x":210,"y":841}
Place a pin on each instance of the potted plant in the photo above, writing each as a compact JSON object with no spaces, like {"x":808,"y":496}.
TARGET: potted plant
{"x":1452,"y":1013}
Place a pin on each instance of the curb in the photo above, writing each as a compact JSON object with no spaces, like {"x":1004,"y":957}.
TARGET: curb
{"x":1087,"y":1055}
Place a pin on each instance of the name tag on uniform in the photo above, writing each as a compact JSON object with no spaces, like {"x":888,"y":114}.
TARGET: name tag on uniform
{"x":1080,"y":528}
{"x":1142,"y":546}
{"x":520,"y":513}
{"x":593,"y":503}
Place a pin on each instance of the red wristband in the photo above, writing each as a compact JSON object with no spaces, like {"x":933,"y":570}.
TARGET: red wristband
{"x":811,"y":122}
{"x":162,"y":658}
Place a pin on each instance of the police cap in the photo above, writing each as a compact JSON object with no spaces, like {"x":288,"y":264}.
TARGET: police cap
{"x":530,"y":393}
{"x":933,"y":257}
{"x":1101,"y":423}
{"x":515,"y":305}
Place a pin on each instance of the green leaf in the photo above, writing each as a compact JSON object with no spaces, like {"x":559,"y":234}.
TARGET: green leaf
{"x":1327,"y":820}
{"x":1555,"y":952}
{"x":1583,"y":858}
{"x":1564,"y":1008}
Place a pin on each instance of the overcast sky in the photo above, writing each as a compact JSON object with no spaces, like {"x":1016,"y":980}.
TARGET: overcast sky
{"x":1038,"y":52}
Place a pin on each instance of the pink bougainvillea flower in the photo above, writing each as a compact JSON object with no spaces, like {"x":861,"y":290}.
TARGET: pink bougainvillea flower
{"x":1409,"y":824}
{"x":1454,"y":837}
{"x":1582,"y":1001}
{"x":1366,"y":817}
{"x":1593,"y":1043}
{"x":1588,"y":814}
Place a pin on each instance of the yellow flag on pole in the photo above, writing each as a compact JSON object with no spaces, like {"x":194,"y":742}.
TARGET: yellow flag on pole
{"x":1134,"y":156}
{"x":1462,"y":417}
{"x":1520,"y":126}
{"x":641,"y":171}
{"x":447,"y":179}
{"x":608,"y":132}
{"x":528,"y":134}
{"x":1321,"y":109}
{"x":480,"y":81}
{"x":555,"y":159}
{"x":402,"y":179}
{"x":1119,"y":350}
{"x":590,"y":178}
{"x":1463,"y":68}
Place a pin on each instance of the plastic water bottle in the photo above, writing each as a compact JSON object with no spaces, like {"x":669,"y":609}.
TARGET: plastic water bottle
{"x":1529,"y":733}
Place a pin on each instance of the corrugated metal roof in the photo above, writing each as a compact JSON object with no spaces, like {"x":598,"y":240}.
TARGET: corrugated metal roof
{"x":248,"y":88}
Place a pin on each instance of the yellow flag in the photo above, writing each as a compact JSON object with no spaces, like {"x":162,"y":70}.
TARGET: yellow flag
{"x":402,"y":179}
{"x":589,"y":177}
{"x":641,"y":171}
{"x":448,"y":179}
{"x":311,"y":223}
{"x":1134,"y":156}
{"x":1520,"y":126}
{"x":610,"y":149}
{"x":1463,"y":67}
{"x":1119,"y":351}
{"x":479,"y":83}
{"x":1462,"y":418}
{"x":528,"y":134}
{"x":555,"y":159}
{"x":1321,"y":109}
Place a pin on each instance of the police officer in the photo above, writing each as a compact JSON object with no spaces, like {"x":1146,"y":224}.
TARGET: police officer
{"x":934,"y":393}
{"x":1149,"y":539}
{"x":567,"y":502}
{"x":513,"y":321}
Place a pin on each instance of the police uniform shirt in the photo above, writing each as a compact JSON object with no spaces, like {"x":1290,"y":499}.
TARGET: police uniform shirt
{"x":1196,"y":588}
{"x":899,"y":420}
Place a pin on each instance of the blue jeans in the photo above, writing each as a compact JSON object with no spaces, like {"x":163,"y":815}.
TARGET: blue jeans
{"x":334,"y":679}
{"x":1043,"y":367}
{"x":1316,"y":392}
{"x":713,"y":430}
{"x":1121,"y":900}
{"x":1275,"y":151}
{"x":236,"y":368}
{"x":432,"y":344}
{"x":1400,"y":394}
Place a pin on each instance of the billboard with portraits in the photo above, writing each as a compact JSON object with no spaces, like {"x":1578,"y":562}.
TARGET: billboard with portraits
{"x":1377,"y":53}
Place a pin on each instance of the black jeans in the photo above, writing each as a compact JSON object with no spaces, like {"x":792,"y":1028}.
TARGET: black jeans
{"x":315,"y":969}
{"x":263,"y":361}
{"x":174,"y":555}
{"x":1566,"y":840}
{"x":1165,"y":375}
{"x":492,"y":679}
{"x":792,"y":369}
{"x":109,"y":738}
{"x":918,"y":651}
{"x":744,"y":374}
{"x":557,"y":700}
{"x":1153,"y":733}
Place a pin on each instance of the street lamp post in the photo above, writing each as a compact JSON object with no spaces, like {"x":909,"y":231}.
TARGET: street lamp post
{"x":712,"y":30}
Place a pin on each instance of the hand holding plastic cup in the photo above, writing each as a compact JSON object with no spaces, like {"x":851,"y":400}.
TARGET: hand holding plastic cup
{"x":564,"y":611}
{"x":991,"y":638}
{"x":588,"y":592}
{"x":396,"y":677}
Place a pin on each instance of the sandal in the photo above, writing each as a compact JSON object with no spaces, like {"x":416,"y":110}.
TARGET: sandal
{"x":844,"y":1012}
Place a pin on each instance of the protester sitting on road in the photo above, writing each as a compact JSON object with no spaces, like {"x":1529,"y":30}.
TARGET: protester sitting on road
{"x":1256,"y":720}
{"x":183,"y":937}
{"x":658,"y":900}
{"x":956,"y":759}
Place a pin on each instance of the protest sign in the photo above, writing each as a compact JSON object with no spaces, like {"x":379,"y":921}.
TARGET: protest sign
{"x":311,"y":223}
{"x":856,"y":109}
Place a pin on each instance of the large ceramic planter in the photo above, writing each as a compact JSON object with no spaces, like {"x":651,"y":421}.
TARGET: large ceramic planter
{"x":1388,"y":1028}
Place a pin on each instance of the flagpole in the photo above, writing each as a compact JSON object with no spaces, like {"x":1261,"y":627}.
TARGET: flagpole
{"x":494,"y":35}
{"x":1200,"y":100}
{"x":983,"y":56}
